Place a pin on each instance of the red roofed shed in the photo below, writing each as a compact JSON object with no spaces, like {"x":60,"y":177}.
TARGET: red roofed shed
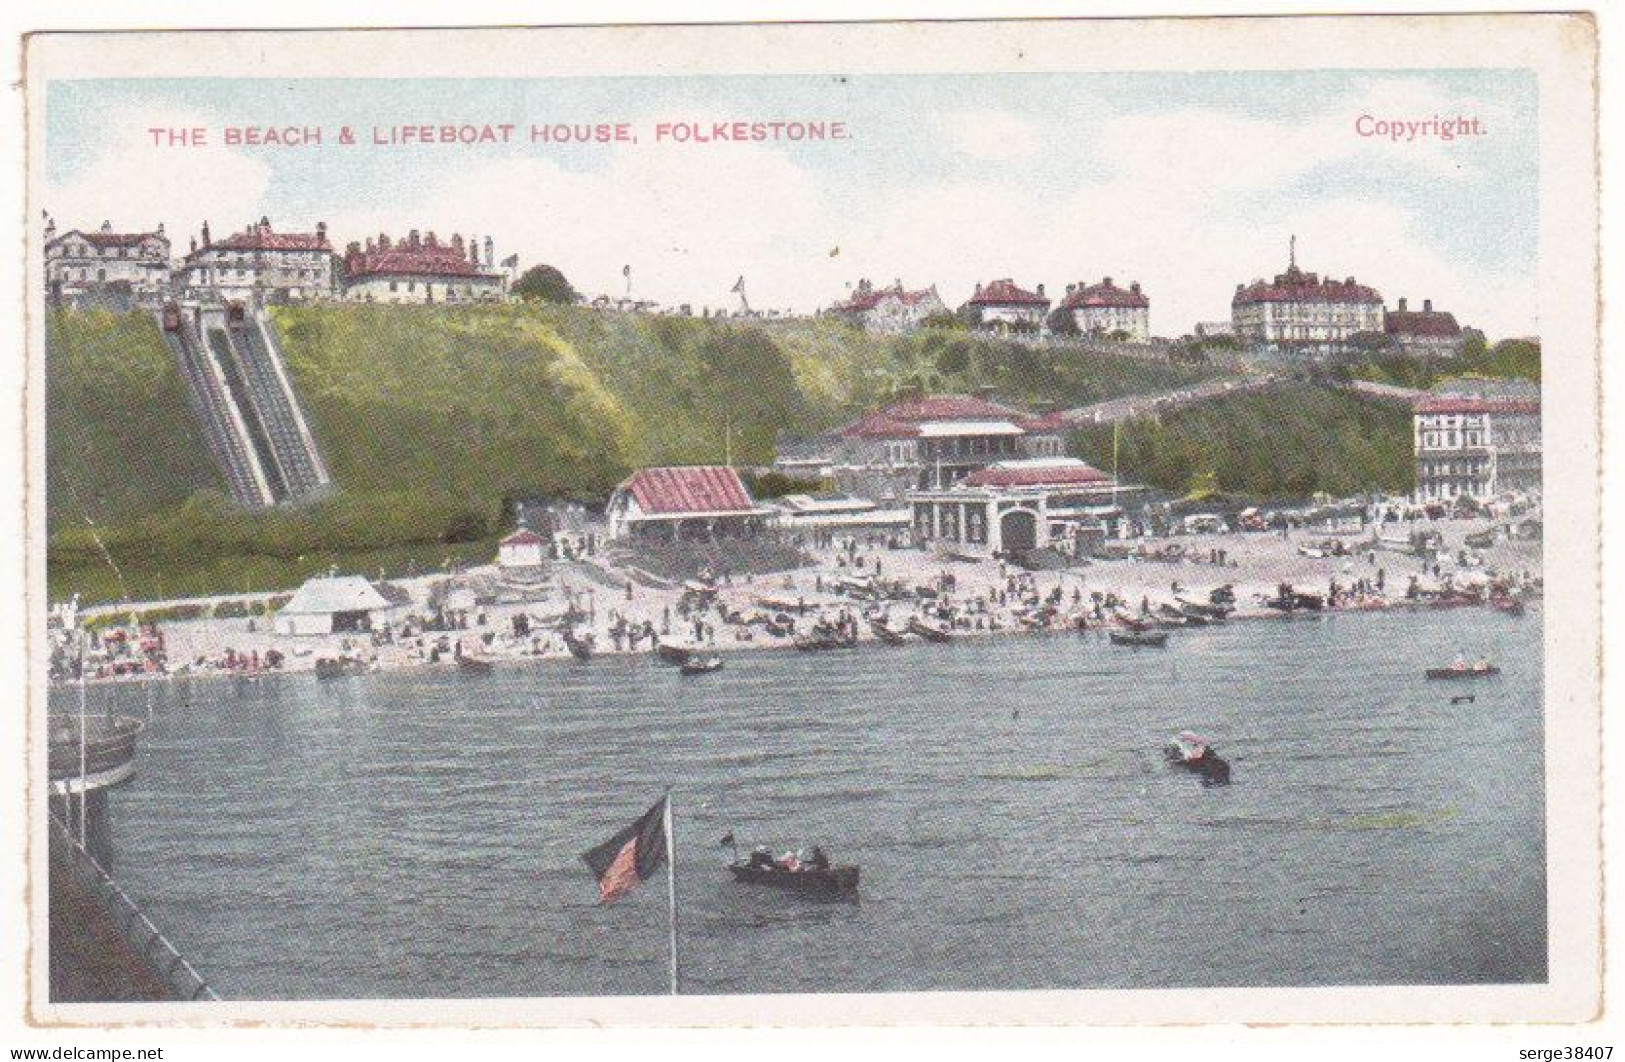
{"x":709,"y":499}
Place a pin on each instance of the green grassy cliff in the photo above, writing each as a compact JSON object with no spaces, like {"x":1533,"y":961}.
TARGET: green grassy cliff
{"x":429,"y":417}
{"x":1288,"y":442}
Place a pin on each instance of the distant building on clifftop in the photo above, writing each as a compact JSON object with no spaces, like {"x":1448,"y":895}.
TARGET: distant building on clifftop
{"x":259,"y":265}
{"x":1002,"y":306}
{"x":422,"y":269}
{"x":93,"y":265}
{"x":893,"y":309}
{"x":1104,"y":309}
{"x":1304,"y":314}
{"x":1425,"y":332}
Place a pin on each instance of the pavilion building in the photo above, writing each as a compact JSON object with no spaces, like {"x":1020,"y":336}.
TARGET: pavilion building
{"x":688,"y":502}
{"x":1013,"y":507}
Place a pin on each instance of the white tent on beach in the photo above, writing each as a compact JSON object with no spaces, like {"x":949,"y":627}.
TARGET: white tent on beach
{"x":333,"y":604}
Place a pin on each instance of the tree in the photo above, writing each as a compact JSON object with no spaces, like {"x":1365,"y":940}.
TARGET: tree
{"x":1061,"y":322}
{"x":543,"y":283}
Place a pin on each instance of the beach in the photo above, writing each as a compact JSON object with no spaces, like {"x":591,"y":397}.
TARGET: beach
{"x":970,"y":597}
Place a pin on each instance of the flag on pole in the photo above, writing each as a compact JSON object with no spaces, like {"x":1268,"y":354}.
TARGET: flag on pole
{"x":626,"y":270}
{"x":833,"y":251}
{"x":631,"y":856}
{"x":512,"y":261}
{"x":739,"y":285}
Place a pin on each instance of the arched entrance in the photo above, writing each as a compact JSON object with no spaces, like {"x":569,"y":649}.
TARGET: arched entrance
{"x":1018,"y":530}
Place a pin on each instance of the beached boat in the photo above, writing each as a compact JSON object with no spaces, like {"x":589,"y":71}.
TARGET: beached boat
{"x":580,"y":647}
{"x":884,"y":632}
{"x":701,"y":665}
{"x":820,"y":640}
{"x":1195,"y":754}
{"x":1142,"y":639}
{"x":1509,"y":605}
{"x":807,"y":879}
{"x":672,"y":653}
{"x":473,"y":665}
{"x":929,"y":631}
{"x":1212,"y":613}
{"x":332,"y":667}
{"x":109,"y":751}
{"x":1463,"y":671}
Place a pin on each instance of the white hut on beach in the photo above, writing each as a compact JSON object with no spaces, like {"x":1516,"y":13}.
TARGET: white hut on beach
{"x":333,"y":604}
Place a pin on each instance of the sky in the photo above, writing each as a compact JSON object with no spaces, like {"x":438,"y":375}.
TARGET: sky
{"x":1189,"y":183}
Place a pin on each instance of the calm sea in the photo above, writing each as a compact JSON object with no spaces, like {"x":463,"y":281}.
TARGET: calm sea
{"x":418,"y":834}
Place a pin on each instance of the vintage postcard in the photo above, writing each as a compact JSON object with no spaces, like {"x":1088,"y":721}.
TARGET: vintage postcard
{"x":1043,"y":521}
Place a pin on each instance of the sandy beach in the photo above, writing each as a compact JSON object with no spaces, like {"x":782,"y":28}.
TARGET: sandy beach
{"x":976,"y":597}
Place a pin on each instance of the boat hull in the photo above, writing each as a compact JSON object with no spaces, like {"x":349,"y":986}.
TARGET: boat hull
{"x":833,"y":882}
{"x":1444,"y":673}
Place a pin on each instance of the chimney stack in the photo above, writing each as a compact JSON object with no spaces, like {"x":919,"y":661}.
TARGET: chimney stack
{"x":1402,"y":304}
{"x":1427,"y":305}
{"x":1041,"y":291}
{"x":1107,"y":282}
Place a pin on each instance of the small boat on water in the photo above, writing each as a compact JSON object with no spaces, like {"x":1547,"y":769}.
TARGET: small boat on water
{"x":1511,"y":606}
{"x":701,"y":665}
{"x":929,"y":631}
{"x":1461,"y":670}
{"x":672,"y":653}
{"x":474,"y":665}
{"x":1195,"y":754}
{"x":884,"y":632}
{"x":1140,"y":639}
{"x":580,"y":646}
{"x":812,"y":877}
{"x":109,"y":751}
{"x":332,"y":667}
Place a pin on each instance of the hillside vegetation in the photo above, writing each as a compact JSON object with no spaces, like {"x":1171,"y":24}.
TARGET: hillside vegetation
{"x":1289,"y":442}
{"x":430,"y":417}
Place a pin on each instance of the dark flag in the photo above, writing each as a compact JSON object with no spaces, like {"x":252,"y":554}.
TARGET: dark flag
{"x":630,"y":856}
{"x":727,"y":839}
{"x":512,"y":261}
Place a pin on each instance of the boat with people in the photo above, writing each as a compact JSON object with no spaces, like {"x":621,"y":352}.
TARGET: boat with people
{"x":701,"y":665}
{"x":1461,"y":669}
{"x":1195,"y":754}
{"x":1140,"y":639}
{"x":884,"y":632}
{"x":580,"y":646}
{"x":822,"y":638}
{"x":931,"y":632}
{"x":109,"y":743}
{"x":810,"y":874}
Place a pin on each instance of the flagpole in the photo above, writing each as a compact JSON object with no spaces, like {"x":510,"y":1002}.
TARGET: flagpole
{"x":671,"y":889}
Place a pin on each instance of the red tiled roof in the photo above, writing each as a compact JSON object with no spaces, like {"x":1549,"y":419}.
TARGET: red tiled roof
{"x":1104,"y":294}
{"x":261,"y":238}
{"x":694,"y":489}
{"x":111,"y":239}
{"x":1068,"y":475}
{"x":880,"y":426}
{"x":1297,"y":286}
{"x":1421,"y":323}
{"x":1004,"y":292}
{"x":862,"y":301}
{"x":1457,"y":404}
{"x":902,"y":420}
{"x":440,"y":261}
{"x":523,"y":537}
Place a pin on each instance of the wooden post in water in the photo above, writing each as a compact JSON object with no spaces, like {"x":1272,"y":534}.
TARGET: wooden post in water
{"x":671,"y":888}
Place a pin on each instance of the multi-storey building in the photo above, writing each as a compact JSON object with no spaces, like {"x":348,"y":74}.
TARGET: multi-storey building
{"x":1304,"y":314}
{"x":260,"y":265}
{"x":423,"y":269}
{"x":1105,"y":309}
{"x":1425,"y":332}
{"x":1000,"y":305}
{"x":893,"y":309}
{"x":1478,"y":439}
{"x":80,"y":263}
{"x":922,"y":443}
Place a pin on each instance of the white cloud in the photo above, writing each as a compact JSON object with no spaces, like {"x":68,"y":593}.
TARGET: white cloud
{"x":135,"y":184}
